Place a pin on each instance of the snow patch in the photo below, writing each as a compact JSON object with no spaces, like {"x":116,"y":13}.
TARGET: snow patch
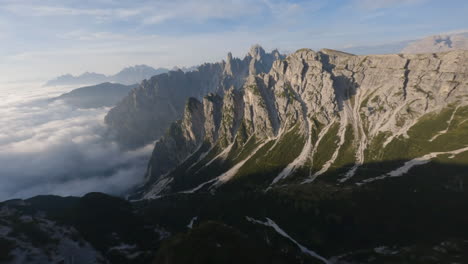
{"x":322,"y":133}
{"x":383,"y":250}
{"x":222,"y":155}
{"x":326,"y":166}
{"x":233,"y":171}
{"x":163,"y":233}
{"x":227,"y":175}
{"x":387,"y":125}
{"x":357,"y":126}
{"x":200,"y":186}
{"x":351,"y":172}
{"x":158,"y":187}
{"x":202,"y":156}
{"x":410,"y":164}
{"x":123,"y":247}
{"x":449,"y":122}
{"x":280,"y":134}
{"x":298,"y":162}
{"x":280,"y":231}
{"x":190,"y":225}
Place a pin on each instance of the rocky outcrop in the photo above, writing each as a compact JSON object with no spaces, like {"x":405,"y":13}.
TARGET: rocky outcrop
{"x":147,"y":111}
{"x":212,"y":112}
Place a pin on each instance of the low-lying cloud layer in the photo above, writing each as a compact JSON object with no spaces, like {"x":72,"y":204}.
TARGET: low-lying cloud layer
{"x":53,"y":148}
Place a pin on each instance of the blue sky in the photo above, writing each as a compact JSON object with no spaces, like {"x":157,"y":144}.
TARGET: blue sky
{"x":40,"y":39}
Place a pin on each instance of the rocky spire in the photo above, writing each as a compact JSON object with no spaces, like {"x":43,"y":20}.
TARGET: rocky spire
{"x":212,"y":105}
{"x":276,"y":54}
{"x":260,"y":61}
{"x":257,"y":52}
{"x":193,"y":121}
{"x":228,"y":67}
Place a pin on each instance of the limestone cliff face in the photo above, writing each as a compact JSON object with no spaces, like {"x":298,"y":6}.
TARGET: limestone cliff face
{"x":212,"y":112}
{"x":148,"y":110}
{"x":320,"y":116}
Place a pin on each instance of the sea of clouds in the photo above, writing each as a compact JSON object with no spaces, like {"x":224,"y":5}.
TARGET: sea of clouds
{"x":49,"y":147}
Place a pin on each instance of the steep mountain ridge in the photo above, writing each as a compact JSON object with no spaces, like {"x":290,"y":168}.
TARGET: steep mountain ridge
{"x":326,"y":116}
{"x":144,"y":115}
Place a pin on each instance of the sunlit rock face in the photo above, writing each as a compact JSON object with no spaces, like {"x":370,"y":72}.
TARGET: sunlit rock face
{"x":330,"y":115}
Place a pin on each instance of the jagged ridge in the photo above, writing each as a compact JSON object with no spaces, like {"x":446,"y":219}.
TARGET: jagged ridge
{"x":323,"y":113}
{"x":147,"y":111}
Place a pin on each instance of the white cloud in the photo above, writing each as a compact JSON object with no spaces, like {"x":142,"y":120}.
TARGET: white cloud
{"x":52,"y":148}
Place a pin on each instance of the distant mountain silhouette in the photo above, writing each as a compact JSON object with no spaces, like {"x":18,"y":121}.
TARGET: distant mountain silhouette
{"x":104,"y":94}
{"x":129,"y":75}
{"x":430,"y":44}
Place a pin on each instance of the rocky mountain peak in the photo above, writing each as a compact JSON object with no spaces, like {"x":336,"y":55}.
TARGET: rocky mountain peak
{"x":257,"y":52}
{"x":261,"y":62}
{"x":276,"y":54}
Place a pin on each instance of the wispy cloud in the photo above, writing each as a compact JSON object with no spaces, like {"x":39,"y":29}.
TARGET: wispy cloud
{"x":154,"y":12}
{"x":107,"y":53}
{"x":201,"y":10}
{"x":85,"y":35}
{"x":105,"y":35}
{"x":379,"y":4}
{"x":49,"y":11}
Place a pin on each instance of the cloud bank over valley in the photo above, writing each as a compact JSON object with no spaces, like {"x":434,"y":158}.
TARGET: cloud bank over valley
{"x":53,"y":148}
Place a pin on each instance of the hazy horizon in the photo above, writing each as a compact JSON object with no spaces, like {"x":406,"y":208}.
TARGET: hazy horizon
{"x":44,"y":39}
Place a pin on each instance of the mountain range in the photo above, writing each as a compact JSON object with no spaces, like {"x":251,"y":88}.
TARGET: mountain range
{"x":128,"y":76}
{"x":315,"y":157}
{"x":318,"y":116}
